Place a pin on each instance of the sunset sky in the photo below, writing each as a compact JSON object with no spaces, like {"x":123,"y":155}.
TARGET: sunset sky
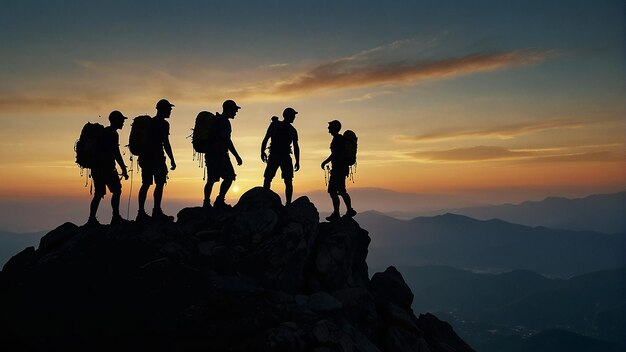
{"x":447,"y":97}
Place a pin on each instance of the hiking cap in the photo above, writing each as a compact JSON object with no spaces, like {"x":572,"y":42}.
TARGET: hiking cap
{"x":335,"y":124}
{"x":164,"y":104}
{"x":116,"y":115}
{"x":289,"y":112}
{"x":230,"y":104}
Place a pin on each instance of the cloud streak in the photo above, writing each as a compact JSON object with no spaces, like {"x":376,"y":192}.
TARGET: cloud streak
{"x":404,"y":62}
{"x":499,"y":132}
{"x":495,"y":153}
{"x":359,"y":72}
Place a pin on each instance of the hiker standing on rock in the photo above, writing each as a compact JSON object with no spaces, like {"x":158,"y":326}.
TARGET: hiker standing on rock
{"x":152,"y":163}
{"x":339,"y":172}
{"x":283,"y":134}
{"x":103,"y":172}
{"x":217,"y":160}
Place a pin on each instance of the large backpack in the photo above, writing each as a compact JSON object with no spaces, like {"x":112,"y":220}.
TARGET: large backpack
{"x":139,"y":140}
{"x":88,"y":145}
{"x":281,"y":137}
{"x":350,"y":139}
{"x":202,"y":132}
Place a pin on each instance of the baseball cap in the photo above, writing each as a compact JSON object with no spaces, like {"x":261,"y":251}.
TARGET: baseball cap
{"x":163,"y":104}
{"x":230,"y":104}
{"x":289,"y":111}
{"x":116,"y":115}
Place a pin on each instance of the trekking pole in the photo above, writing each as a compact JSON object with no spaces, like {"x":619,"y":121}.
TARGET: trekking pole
{"x":132,"y":171}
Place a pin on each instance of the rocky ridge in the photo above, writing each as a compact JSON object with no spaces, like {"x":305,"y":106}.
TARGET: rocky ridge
{"x":257,"y":277}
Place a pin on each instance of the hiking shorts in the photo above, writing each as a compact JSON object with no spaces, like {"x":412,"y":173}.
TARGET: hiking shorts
{"x":153,"y":169}
{"x":218,"y":165}
{"x":103,"y":178}
{"x":337,"y":182}
{"x":274,"y":162}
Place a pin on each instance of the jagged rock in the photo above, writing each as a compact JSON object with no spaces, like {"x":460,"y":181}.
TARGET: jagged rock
{"x":255,"y":277}
{"x":390,"y":286}
{"x":20,"y":261}
{"x":323,"y":302}
{"x":259,"y":198}
{"x":58,"y":235}
{"x":339,"y":261}
{"x":440,"y":335}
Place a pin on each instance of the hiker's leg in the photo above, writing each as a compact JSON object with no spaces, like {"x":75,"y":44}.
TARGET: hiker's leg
{"x":142,"y":195}
{"x":208,"y":189}
{"x":335,"y":198}
{"x":115,"y":202}
{"x":95,"y":202}
{"x":267,"y":182}
{"x":99,"y":191}
{"x":224,"y":187}
{"x":346,"y":199}
{"x":288,"y":189}
{"x":158,"y":195}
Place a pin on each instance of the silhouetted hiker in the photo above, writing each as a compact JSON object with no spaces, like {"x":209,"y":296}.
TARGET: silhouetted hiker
{"x":339,"y":172}
{"x":152,"y":163}
{"x":283,"y":134}
{"x":104,"y":174}
{"x":217,"y":161}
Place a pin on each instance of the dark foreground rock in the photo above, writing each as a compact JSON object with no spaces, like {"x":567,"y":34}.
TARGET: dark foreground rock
{"x":258,"y":277}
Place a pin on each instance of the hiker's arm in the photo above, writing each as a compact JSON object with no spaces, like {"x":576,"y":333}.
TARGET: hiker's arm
{"x":120,"y":161}
{"x":264,"y":146}
{"x":296,"y":153}
{"x":326,"y":161}
{"x":231,"y":148}
{"x":168,"y":150}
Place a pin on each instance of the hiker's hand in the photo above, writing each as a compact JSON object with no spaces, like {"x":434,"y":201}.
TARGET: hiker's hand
{"x":239,"y":161}
{"x":173,"y":165}
{"x":296,"y":167}
{"x":125,"y":174}
{"x":263,"y":157}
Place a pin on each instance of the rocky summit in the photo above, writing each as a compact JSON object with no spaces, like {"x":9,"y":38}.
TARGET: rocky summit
{"x":256,"y":277}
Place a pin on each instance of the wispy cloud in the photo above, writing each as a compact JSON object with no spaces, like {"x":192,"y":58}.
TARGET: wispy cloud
{"x":367,"y":96}
{"x":478,"y":153}
{"x":499,"y":132}
{"x":496,"y":153}
{"x":358,"y":72}
{"x":403,"y":62}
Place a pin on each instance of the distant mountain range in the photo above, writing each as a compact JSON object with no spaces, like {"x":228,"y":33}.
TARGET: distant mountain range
{"x":517,"y":304}
{"x":488,"y":245}
{"x":601,"y":212}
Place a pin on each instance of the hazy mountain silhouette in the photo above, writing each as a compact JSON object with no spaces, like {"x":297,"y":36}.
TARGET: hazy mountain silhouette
{"x":384,"y":200}
{"x":600,"y":212}
{"x":492,"y":245}
{"x":591,"y":304}
{"x":257,"y":277}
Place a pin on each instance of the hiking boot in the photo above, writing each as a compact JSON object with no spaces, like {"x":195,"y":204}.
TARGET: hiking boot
{"x":350,"y":213}
{"x":219,"y":203}
{"x":206,"y":205}
{"x":118,"y":220}
{"x":142,"y":216}
{"x":333,"y":217}
{"x":159,"y":215}
{"x":92,"y":222}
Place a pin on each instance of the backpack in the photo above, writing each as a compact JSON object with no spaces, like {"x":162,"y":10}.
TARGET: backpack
{"x":202,"y":132}
{"x":87,"y":147}
{"x":350,"y":139}
{"x":281,"y":137}
{"x":139,"y":140}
